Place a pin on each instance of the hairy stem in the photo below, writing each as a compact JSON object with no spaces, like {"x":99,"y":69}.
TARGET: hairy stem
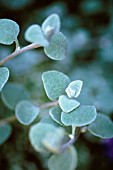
{"x":13,"y":118}
{"x":19,"y":51}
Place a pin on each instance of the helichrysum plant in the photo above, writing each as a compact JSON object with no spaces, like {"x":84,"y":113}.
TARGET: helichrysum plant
{"x":68,"y":118}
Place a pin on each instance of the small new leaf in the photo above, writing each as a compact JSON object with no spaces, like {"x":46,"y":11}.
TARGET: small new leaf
{"x":4,"y":75}
{"x":9,"y":31}
{"x":66,"y":160}
{"x":102,"y":127}
{"x":34,"y":34}
{"x":26,"y":112}
{"x":74,"y":88}
{"x":51,"y":25}
{"x":57,"y":47}
{"x":66,"y":104}
{"x":81,"y":116}
{"x":5,"y":132}
{"x":55,"y":83}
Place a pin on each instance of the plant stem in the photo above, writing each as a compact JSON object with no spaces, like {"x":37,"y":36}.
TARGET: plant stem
{"x":49,"y":104}
{"x":73,"y":138}
{"x":13,"y":118}
{"x":19,"y":51}
{"x":8,"y":120}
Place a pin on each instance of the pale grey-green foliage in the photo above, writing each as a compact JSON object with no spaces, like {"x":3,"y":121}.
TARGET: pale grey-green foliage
{"x":53,"y":140}
{"x":26,"y":112}
{"x":55,"y":83}
{"x":55,"y":113}
{"x":51,"y":25}
{"x":37,"y":134}
{"x":4,"y":75}
{"x":102,"y":127}
{"x":66,"y":160}
{"x":9,"y":31}
{"x":12,"y":94}
{"x":81,"y":116}
{"x":5,"y":132}
{"x":34,"y":34}
{"x":74,"y":88}
{"x":48,"y":120}
{"x":57,"y":47}
{"x":67,"y":104}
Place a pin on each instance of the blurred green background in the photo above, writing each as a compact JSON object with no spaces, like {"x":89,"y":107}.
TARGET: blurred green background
{"x":88,"y":26}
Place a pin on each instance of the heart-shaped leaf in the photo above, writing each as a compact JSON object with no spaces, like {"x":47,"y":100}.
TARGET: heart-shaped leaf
{"x":55,"y":114}
{"x":34,"y":34}
{"x":57,"y":47}
{"x":9,"y":31}
{"x":66,"y":160}
{"x":51,"y":25}
{"x":12,"y":94}
{"x":4,"y":75}
{"x":55,"y":83}
{"x":66,"y":104}
{"x":102,"y":127}
{"x":81,"y":116}
{"x":74,"y":88}
{"x":37,"y":134}
{"x":5,"y":132}
{"x":26,"y":112}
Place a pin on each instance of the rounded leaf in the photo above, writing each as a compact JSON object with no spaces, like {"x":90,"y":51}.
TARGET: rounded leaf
{"x":66,"y":160}
{"x":53,"y":140}
{"x":26,"y":112}
{"x":81,"y":116}
{"x":55,"y":113}
{"x":5,"y":132}
{"x":55,"y":83}
{"x":4,"y":75}
{"x":102,"y":127}
{"x":37,"y":134}
{"x":74,"y":88}
{"x":9,"y":31}
{"x":57,"y":47}
{"x":12,"y":94}
{"x":34,"y":34}
{"x":66,"y":104}
{"x":51,"y":25}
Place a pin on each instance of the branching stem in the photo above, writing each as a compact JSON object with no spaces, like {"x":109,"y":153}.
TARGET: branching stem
{"x":19,"y":51}
{"x":13,"y":118}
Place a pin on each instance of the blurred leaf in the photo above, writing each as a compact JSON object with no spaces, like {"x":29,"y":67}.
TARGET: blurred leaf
{"x":4,"y":75}
{"x":15,"y":5}
{"x":55,"y":83}
{"x":9,"y":31}
{"x":74,"y":88}
{"x":66,"y":104}
{"x":51,"y":25}
{"x":37,"y":134}
{"x":34,"y":34}
{"x":5,"y":132}
{"x":26,"y":112}
{"x":102,"y":127}
{"x":53,"y":140}
{"x":57,"y":47}
{"x":81,"y":116}
{"x":12,"y":94}
{"x":55,"y":113}
{"x":66,"y":160}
